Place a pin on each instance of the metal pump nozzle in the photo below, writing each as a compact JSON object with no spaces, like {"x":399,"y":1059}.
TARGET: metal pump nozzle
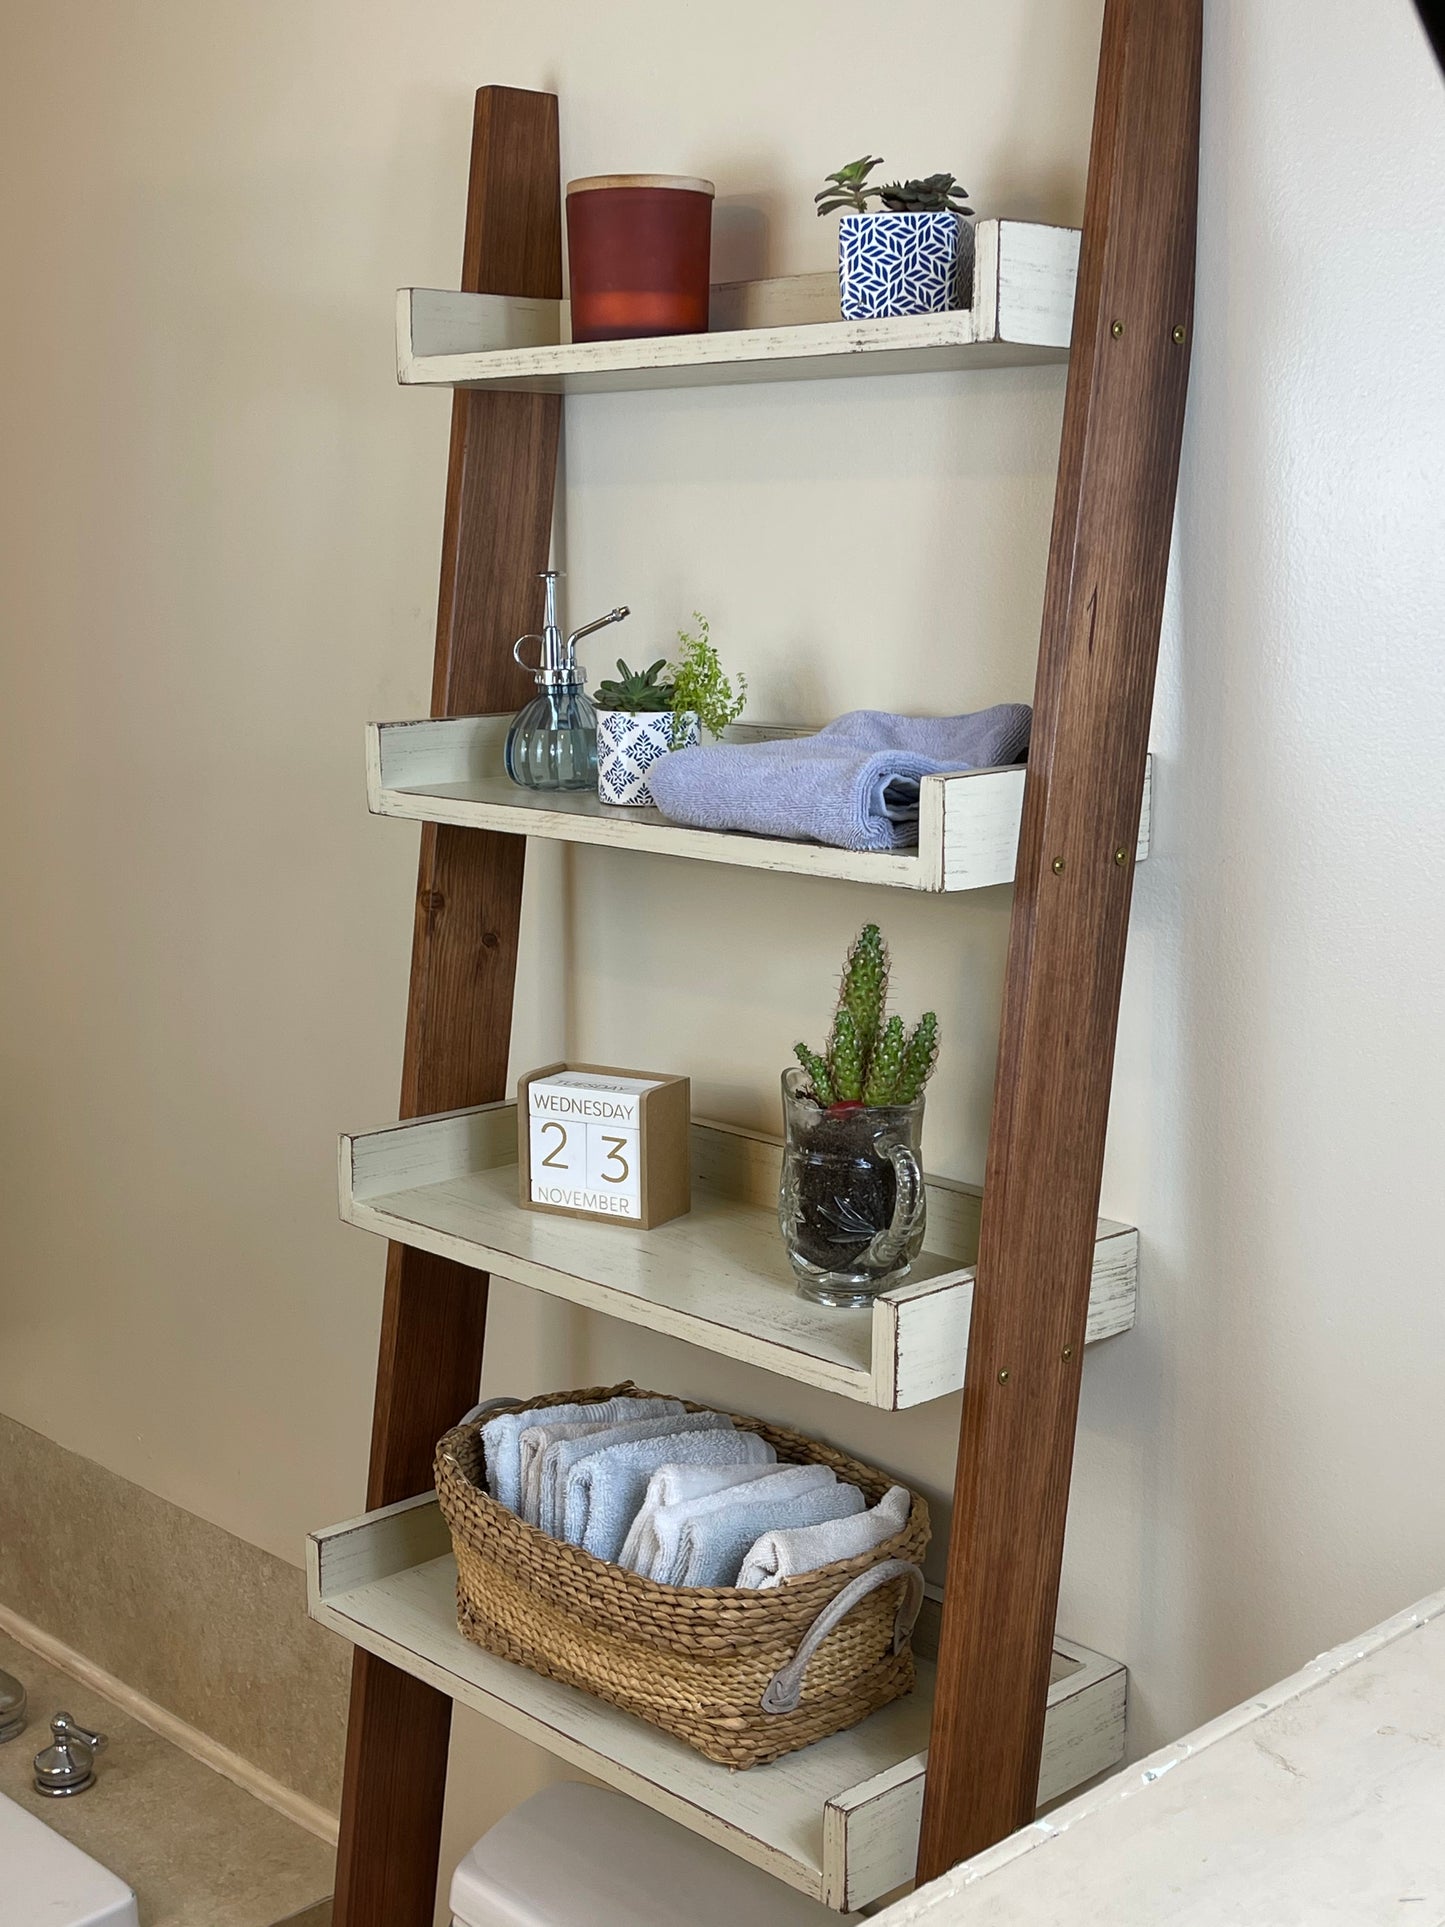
{"x":557,"y":658}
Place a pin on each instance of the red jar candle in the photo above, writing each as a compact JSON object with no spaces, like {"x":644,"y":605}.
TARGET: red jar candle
{"x":638,"y":247}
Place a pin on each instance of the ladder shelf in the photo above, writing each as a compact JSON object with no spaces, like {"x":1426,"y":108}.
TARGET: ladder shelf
{"x":717,"y":1277}
{"x":451,"y":771}
{"x":838,"y":1820}
{"x":780,"y":330}
{"x":1011,"y":1714}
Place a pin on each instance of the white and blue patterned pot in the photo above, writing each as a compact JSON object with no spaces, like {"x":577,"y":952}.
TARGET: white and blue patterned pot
{"x":897,"y":264}
{"x":627,"y":748}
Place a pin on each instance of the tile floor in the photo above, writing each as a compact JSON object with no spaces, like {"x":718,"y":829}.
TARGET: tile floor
{"x":198,"y":1851}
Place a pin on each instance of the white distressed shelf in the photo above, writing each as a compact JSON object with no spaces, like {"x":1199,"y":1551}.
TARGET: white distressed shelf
{"x":452,"y":772}
{"x":718,"y":1277}
{"x":782,"y":330}
{"x":838,"y":1820}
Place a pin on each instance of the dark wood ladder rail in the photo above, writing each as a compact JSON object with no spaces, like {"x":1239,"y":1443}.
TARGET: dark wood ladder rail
{"x":1123,"y":423}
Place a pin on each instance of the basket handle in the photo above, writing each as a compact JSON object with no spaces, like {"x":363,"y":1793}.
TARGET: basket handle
{"x":468,"y":1418}
{"x":785,"y":1689}
{"x":487,"y":1405}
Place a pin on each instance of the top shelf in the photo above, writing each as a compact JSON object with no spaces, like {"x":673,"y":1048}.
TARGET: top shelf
{"x":783,"y":330}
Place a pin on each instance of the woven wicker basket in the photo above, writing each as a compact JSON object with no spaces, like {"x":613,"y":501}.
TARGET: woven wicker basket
{"x":741,"y":1676}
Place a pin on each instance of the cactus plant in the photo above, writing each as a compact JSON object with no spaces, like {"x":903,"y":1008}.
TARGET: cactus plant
{"x":920,"y":1054}
{"x":818,"y":1074}
{"x":885,"y":1067}
{"x":865,"y":984}
{"x":870,"y":1061}
{"x":847,"y":1058}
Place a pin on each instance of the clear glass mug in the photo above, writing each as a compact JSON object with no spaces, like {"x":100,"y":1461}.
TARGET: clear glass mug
{"x":851,"y":1204}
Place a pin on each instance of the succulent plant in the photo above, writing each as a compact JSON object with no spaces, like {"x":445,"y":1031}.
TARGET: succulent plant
{"x":846,"y":188}
{"x":849,"y":188}
{"x":637,"y":691}
{"x":868,"y":1060}
{"x":936,"y":194}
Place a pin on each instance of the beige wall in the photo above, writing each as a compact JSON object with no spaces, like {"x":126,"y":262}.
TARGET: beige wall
{"x":222,"y":522}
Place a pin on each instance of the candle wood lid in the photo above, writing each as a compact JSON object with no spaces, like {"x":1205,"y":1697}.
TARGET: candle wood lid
{"x":687,"y":183}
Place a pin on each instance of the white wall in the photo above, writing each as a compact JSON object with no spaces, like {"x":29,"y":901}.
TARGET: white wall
{"x":222,"y":525}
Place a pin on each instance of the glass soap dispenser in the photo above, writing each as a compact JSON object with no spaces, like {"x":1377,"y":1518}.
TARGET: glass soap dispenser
{"x":552,"y":744}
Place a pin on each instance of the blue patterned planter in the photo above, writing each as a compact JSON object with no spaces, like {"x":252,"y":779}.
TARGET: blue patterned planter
{"x":628,"y":746}
{"x":896,"y":264}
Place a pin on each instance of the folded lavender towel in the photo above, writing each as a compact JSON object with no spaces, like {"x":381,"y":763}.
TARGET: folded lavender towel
{"x":854,"y":784}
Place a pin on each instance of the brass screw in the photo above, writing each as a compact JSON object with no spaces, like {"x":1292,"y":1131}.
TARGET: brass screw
{"x":1117,"y":331}
{"x":1003,"y":1376}
{"x":1058,"y":866}
{"x":1068,"y":1351}
{"x":1179,"y":336}
{"x":1121,"y":855}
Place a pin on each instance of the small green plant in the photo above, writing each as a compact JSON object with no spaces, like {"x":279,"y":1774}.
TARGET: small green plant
{"x":939,"y":192}
{"x":637,"y":691}
{"x":849,"y":188}
{"x":846,"y":188}
{"x":699,"y":686}
{"x":870,"y":1059}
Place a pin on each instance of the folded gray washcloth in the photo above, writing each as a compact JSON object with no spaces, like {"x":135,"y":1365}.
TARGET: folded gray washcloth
{"x":782,"y":1555}
{"x":558,"y":1459}
{"x":721,"y":1529}
{"x":670,"y":1485}
{"x":605,"y":1489}
{"x":501,"y":1436}
{"x":854,"y":784}
{"x":533,"y":1441}
{"x":658,"y":1551}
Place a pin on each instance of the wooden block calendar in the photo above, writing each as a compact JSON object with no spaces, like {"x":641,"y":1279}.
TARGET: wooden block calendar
{"x":596,"y":1142}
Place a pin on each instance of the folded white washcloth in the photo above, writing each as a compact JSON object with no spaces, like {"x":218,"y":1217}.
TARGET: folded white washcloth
{"x":783,"y":1554}
{"x":501,"y":1436}
{"x":533,"y":1441}
{"x":604,"y":1489}
{"x":558,"y":1459}
{"x":671,"y":1485}
{"x":702,"y":1541}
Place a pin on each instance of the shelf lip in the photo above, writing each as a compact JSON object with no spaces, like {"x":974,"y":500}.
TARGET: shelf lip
{"x":449,"y":770}
{"x":716,"y":1278}
{"x":838,"y":1820}
{"x":1024,"y":277}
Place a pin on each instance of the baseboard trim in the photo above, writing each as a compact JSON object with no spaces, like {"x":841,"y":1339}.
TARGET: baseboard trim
{"x":295,"y":1806}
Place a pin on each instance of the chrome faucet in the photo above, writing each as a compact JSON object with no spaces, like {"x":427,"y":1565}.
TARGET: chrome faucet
{"x":12,"y":1707}
{"x":67,"y":1765}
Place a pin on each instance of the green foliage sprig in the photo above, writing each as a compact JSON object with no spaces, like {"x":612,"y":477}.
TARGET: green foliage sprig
{"x":637,"y":691}
{"x":848,"y":188}
{"x":870,"y":1060}
{"x":699,"y":686}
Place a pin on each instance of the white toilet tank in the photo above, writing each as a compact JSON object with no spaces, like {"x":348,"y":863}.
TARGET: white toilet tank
{"x":45,"y":1882}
